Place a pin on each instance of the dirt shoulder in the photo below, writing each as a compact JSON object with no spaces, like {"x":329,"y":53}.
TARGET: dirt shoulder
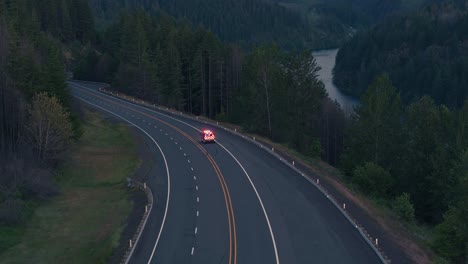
{"x":395,"y":242}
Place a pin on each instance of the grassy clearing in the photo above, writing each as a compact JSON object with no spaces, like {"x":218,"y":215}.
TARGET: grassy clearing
{"x":83,"y":223}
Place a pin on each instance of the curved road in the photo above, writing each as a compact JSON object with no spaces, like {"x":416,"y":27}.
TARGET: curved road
{"x":229,"y":202}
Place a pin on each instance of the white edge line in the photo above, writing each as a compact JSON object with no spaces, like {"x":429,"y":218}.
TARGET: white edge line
{"x":168,"y":185}
{"x":259,"y":199}
{"x":376,"y":251}
{"x":245,"y":172}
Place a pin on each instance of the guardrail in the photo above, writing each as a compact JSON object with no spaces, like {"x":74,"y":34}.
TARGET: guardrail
{"x":373,"y":242}
{"x":132,"y":243}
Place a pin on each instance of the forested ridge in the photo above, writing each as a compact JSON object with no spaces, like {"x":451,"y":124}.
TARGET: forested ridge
{"x":244,"y":22}
{"x":407,"y":153}
{"x":291,"y":24}
{"x":413,"y":159}
{"x":354,"y":13}
{"x":406,"y":143}
{"x":424,"y":52}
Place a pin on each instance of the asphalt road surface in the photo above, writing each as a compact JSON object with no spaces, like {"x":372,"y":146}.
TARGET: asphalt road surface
{"x":228,"y":202}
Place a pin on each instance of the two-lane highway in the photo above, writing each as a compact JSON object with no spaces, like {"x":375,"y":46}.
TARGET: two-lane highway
{"x":229,"y":202}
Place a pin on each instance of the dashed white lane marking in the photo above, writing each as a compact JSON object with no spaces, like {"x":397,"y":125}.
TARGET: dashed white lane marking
{"x":168,"y":180}
{"x":195,"y":177}
{"x":185,"y":155}
{"x":160,"y":130}
{"x":192,"y":251}
{"x":188,"y":161}
{"x":198,"y":213}
{"x":198,"y":199}
{"x":196,"y":230}
{"x":165,"y":134}
{"x":180,"y":148}
{"x":191,"y":168}
{"x":196,"y":187}
{"x":144,"y":120}
{"x":176,"y":142}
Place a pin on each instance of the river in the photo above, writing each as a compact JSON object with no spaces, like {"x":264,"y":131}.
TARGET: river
{"x":326,"y":60}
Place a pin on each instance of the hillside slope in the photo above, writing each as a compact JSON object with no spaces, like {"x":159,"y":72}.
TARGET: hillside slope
{"x":241,"y":21}
{"x":425,"y":53}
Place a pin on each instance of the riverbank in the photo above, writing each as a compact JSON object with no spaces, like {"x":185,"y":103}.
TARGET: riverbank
{"x":326,"y":60}
{"x":82,"y":224}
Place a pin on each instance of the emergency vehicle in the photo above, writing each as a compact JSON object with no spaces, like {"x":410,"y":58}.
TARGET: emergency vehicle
{"x":207,"y":136}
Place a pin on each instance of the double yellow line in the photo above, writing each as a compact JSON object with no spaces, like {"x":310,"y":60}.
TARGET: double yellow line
{"x":225,"y":189}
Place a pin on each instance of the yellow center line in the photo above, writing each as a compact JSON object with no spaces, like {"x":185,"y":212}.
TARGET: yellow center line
{"x":225,"y":189}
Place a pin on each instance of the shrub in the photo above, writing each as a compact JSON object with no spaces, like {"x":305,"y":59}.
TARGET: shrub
{"x":451,"y":236}
{"x":372,"y":179}
{"x":403,"y":207}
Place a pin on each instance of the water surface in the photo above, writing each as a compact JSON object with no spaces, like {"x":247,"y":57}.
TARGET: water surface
{"x":326,"y":60}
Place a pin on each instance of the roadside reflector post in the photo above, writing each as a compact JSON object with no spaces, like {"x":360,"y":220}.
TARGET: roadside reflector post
{"x":254,"y":138}
{"x":217,"y":122}
{"x":146,"y":208}
{"x":273,"y":149}
{"x":130,"y":242}
{"x":144,"y":185}
{"x":376,"y":241}
{"x":235,"y":129}
{"x":344,"y":206}
{"x":318,"y":181}
{"x":293,"y":163}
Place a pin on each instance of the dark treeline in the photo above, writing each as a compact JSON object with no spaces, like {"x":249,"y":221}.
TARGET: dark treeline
{"x":244,"y":22}
{"x":268,"y":91}
{"x":368,"y":12}
{"x":241,"y":21}
{"x":355,"y":13}
{"x":413,"y":158}
{"x":35,"y":125}
{"x":424,"y":53}
{"x":66,"y":20}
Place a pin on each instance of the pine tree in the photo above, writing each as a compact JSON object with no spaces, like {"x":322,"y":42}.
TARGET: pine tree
{"x":52,"y":78}
{"x":377,"y":132}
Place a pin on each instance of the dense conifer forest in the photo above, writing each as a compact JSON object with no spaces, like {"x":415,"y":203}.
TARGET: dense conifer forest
{"x":424,"y":52}
{"x":405,"y":146}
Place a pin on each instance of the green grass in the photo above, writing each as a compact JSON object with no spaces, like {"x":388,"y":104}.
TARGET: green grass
{"x":82,"y":224}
